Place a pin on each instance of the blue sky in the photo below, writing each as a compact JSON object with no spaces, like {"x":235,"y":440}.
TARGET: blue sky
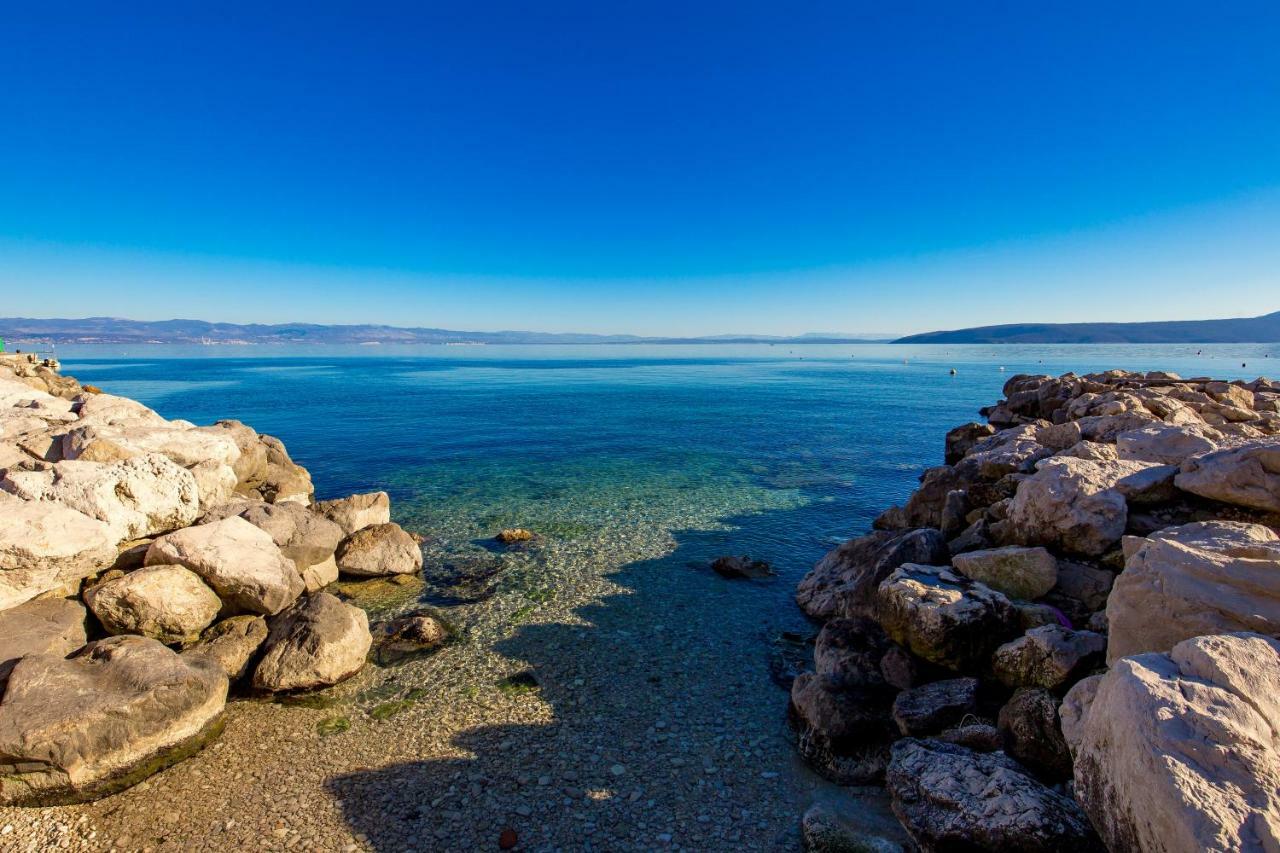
{"x":644,"y":167}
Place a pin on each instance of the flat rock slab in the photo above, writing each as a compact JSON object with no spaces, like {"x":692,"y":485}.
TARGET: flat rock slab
{"x":77,"y":728}
{"x":1210,"y":577}
{"x":43,"y":546}
{"x":1026,"y":573}
{"x":52,"y":626}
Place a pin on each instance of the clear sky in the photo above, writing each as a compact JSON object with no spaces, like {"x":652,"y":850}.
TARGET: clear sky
{"x":656,"y":168}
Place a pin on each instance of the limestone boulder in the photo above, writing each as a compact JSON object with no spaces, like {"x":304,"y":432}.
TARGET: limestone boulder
{"x":168,"y":603}
{"x":1211,"y":577}
{"x":215,"y":482}
{"x":357,"y":511}
{"x":844,"y":582}
{"x":930,"y":708}
{"x":240,"y":562}
{"x":961,"y":439}
{"x":317,"y":642}
{"x":48,"y":626}
{"x":307,"y":538}
{"x":842,"y":732}
{"x":142,"y":496}
{"x":1031,"y":732}
{"x":1180,"y":751}
{"x":378,"y":550}
{"x":944,"y":617}
{"x":1167,"y":444}
{"x":285,"y":480}
{"x":118,"y":710}
{"x":1050,"y":656}
{"x":250,"y":468}
{"x":1248,"y":475}
{"x":950,"y":798}
{"x":231,"y":644}
{"x":1069,"y":504}
{"x":44,"y":546}
{"x":181,"y":444}
{"x":849,"y":652}
{"x":1025,"y":573}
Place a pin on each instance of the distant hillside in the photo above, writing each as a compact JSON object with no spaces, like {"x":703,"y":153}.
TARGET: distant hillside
{"x":113,"y":330}
{"x":1264,"y":329}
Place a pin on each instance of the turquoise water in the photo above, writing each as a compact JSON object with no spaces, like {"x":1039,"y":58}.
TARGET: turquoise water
{"x":611,"y":441}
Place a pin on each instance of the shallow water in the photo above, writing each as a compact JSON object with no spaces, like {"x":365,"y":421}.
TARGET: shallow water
{"x":637,"y":465}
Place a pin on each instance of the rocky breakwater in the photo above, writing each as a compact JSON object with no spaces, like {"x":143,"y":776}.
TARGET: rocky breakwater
{"x":1066,"y":639}
{"x":148,"y":567}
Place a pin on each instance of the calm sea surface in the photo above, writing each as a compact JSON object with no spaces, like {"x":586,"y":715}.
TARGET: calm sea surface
{"x":782,"y":450}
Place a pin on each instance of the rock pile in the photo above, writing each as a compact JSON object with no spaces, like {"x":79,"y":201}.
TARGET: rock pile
{"x":146,"y":567}
{"x":1066,"y":637}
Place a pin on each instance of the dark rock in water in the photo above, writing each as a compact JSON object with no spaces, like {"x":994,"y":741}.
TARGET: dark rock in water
{"x":742,"y":567}
{"x":844,"y":582}
{"x":1032,"y":733}
{"x":932,"y":707}
{"x":408,"y":636}
{"x":464,"y":578}
{"x":951,"y":798}
{"x":513,"y":535}
{"x":843,"y":733}
{"x":789,"y":657}
{"x":859,"y":821}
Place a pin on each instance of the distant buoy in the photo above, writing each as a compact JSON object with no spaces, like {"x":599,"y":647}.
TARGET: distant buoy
{"x":1002,"y":369}
{"x":1242,"y":364}
{"x":953,"y":371}
{"x":904,"y":361}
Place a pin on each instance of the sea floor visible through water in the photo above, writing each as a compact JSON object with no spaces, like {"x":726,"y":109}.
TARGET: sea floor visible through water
{"x":605,"y":690}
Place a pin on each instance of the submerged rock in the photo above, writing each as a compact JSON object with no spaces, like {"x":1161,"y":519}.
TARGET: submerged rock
{"x":742,"y":567}
{"x":406,"y":636}
{"x":77,"y":728}
{"x":514,"y":535}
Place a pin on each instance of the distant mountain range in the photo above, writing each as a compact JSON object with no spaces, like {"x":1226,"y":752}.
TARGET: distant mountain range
{"x":113,"y":330}
{"x":1264,"y":329}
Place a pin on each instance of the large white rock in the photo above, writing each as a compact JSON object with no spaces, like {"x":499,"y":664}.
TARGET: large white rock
{"x":1072,"y":504}
{"x":240,"y":562}
{"x":1181,"y":751}
{"x":215,"y":482}
{"x":1248,"y":475}
{"x":1210,"y":577}
{"x":1167,"y":444}
{"x":317,"y":642}
{"x":380,"y":549}
{"x":139,"y":497}
{"x":13,"y":393}
{"x":184,"y":445}
{"x":168,"y":603}
{"x":120,"y":709}
{"x":357,"y":511}
{"x":44,"y":546}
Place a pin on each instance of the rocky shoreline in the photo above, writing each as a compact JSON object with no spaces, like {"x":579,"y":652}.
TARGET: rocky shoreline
{"x":1066,"y":639}
{"x":150,"y":567}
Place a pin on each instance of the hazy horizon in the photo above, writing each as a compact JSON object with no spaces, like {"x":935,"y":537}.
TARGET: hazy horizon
{"x":657,"y":171}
